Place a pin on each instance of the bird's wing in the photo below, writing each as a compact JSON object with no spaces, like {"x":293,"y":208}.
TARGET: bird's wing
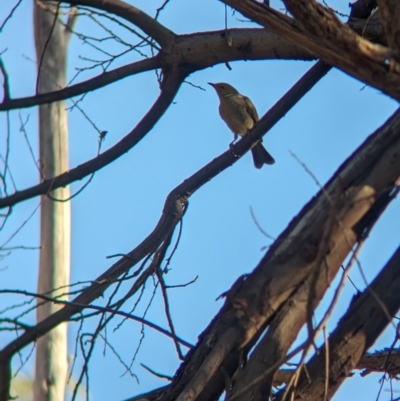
{"x":250,"y":108}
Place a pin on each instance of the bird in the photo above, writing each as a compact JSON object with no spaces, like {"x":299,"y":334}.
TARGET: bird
{"x":240,"y":116}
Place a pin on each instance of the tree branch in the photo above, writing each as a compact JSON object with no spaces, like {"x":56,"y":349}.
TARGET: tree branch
{"x":91,"y":84}
{"x":389,"y":11}
{"x":163,"y":36}
{"x":109,"y":309}
{"x":358,"y":329}
{"x":329,"y":39}
{"x":362,"y":9}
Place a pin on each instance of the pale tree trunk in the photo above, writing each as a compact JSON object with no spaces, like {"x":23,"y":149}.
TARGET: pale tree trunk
{"x":54,"y":262}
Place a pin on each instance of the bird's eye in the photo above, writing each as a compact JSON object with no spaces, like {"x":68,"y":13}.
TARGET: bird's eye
{"x":222,"y":87}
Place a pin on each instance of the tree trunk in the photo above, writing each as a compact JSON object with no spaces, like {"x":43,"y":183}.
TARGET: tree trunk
{"x":54,"y":261}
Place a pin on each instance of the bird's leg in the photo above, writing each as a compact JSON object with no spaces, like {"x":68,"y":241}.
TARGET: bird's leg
{"x":235,"y":136}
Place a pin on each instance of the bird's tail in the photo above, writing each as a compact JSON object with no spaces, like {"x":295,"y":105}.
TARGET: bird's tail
{"x":261,"y":156}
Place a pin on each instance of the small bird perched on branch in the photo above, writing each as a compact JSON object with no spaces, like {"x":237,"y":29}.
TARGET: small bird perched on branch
{"x":240,"y":116}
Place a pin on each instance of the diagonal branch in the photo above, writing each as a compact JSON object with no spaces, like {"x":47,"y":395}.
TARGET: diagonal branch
{"x":356,"y":332}
{"x":329,"y":39}
{"x":283,"y":331}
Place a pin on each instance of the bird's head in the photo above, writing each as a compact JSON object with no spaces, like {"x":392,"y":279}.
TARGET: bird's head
{"x":224,"y":89}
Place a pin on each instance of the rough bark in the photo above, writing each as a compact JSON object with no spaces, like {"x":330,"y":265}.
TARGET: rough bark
{"x":389,"y":11}
{"x":368,"y":314}
{"x":320,"y":32}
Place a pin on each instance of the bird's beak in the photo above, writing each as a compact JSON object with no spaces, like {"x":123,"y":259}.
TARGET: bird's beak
{"x":210,"y":83}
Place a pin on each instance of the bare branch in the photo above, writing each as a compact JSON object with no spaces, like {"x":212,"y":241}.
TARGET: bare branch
{"x":9,"y":16}
{"x":104,"y":309}
{"x":329,"y":39}
{"x":147,"y":24}
{"x":104,"y":79}
{"x":6,"y":83}
{"x":160,"y":375}
{"x":168,"y":311}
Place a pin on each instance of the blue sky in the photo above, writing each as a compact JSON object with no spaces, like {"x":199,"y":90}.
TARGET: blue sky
{"x":220,"y":240}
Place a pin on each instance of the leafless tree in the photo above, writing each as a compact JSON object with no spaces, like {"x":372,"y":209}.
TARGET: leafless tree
{"x":245,"y":345}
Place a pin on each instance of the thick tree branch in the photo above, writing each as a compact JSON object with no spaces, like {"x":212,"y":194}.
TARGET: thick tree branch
{"x":389,"y":11}
{"x":366,"y":318}
{"x":329,"y":39}
{"x":150,"y":396}
{"x":386,"y":360}
{"x":282,"y":332}
{"x":362,"y":8}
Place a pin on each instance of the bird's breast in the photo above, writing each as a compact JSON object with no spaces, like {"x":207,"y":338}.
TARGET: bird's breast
{"x":236,"y":117}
